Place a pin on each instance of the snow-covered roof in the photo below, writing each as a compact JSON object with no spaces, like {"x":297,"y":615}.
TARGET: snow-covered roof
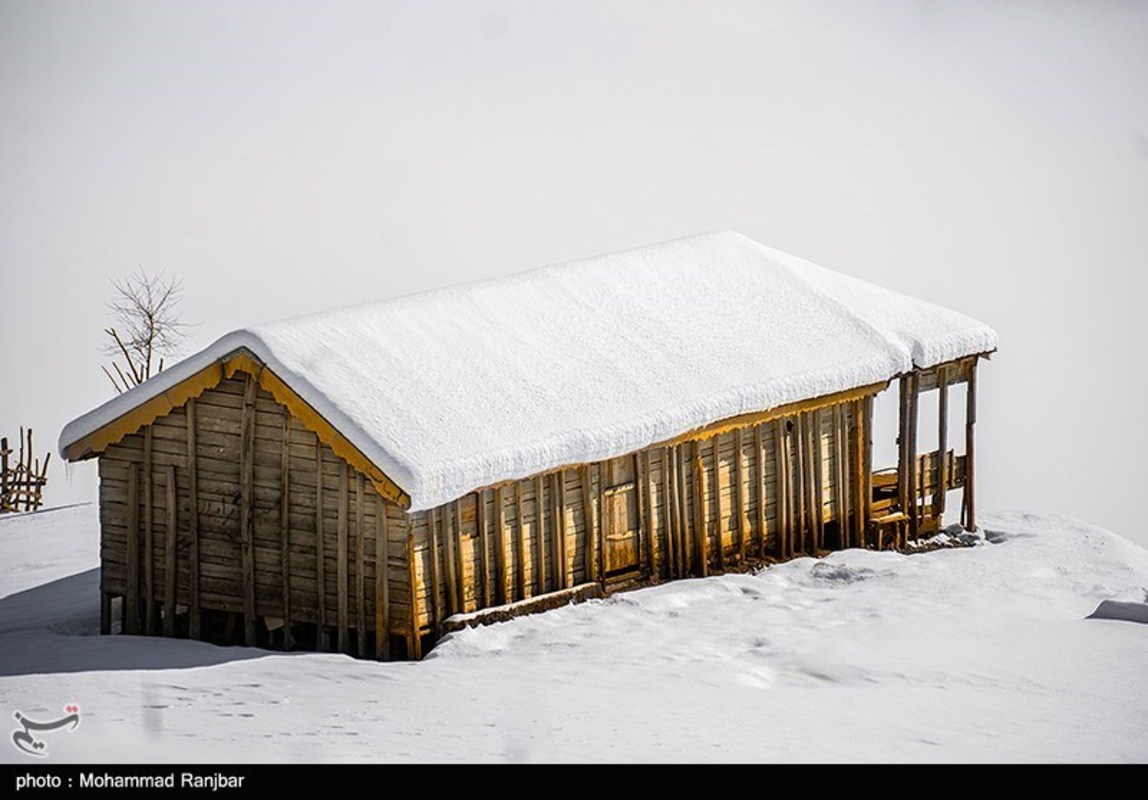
{"x":453,"y":389}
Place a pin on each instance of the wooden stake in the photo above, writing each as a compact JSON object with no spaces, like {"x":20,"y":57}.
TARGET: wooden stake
{"x":169,"y":552}
{"x":194,"y":614}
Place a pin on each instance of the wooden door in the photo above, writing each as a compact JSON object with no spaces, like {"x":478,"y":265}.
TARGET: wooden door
{"x":622,"y":535}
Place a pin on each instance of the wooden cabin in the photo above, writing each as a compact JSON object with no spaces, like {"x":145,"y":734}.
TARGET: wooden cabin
{"x":368,"y":479}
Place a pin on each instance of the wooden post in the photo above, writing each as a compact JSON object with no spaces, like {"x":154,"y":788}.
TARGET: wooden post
{"x":700,"y":515}
{"x":342,"y":559}
{"x":539,"y":537}
{"x":383,"y":583}
{"x":862,"y":489}
{"x":450,"y":565}
{"x":558,"y":527}
{"x":740,"y":490}
{"x":686,"y":546}
{"x":719,"y":511}
{"x":839,"y":479}
{"x":942,"y":443}
{"x":799,"y":470}
{"x":246,"y":501}
{"x":588,"y":522}
{"x":483,"y":547}
{"x":193,"y":605}
{"x":360,"y":568}
{"x":414,"y":642}
{"x":320,"y":551}
{"x":500,"y":538}
{"x":655,"y":554}
{"x":914,"y":507}
{"x":148,"y":534}
{"x":903,"y":444}
{"x":781,"y":485}
{"x":643,"y":515}
{"x":865,"y":426}
{"x":432,"y":543}
{"x":671,"y":512}
{"x":285,"y":530}
{"x":520,"y":540}
{"x":970,"y":449}
{"x":600,"y":527}
{"x":131,"y":601}
{"x":460,"y":556}
{"x":169,"y":552}
{"x":817,"y":467}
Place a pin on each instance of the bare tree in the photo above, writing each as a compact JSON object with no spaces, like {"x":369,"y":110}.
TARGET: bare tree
{"x":149,"y":326}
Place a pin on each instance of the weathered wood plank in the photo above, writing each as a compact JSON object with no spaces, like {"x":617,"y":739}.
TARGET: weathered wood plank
{"x":501,"y":539}
{"x":669,"y":477}
{"x":600,"y":526}
{"x":414,"y":641}
{"x":561,"y":566}
{"x":194,"y":616}
{"x":131,"y":608}
{"x":686,"y":544}
{"x":817,"y":480}
{"x":459,"y":554}
{"x":169,"y":552}
{"x":450,"y":565}
{"x":539,"y":537}
{"x":361,"y":569}
{"x":148,"y":488}
{"x":383,"y":584}
{"x":839,"y":478}
{"x":862,"y":489}
{"x":719,"y":511}
{"x":740,"y":490}
{"x":700,"y":533}
{"x":320,"y":554}
{"x":480,"y":522}
{"x":650,"y":530}
{"x":781,"y":473}
{"x":865,"y":424}
{"x":285,"y":529}
{"x":588,"y":517}
{"x":436,"y":600}
{"x":246,"y":503}
{"x":520,"y":540}
{"x":643,"y":519}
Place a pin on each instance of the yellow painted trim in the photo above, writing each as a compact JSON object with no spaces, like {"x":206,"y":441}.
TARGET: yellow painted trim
{"x":758,"y":417}
{"x":209,"y":377}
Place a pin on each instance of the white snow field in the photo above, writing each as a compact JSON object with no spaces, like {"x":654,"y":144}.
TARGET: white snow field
{"x":974,"y":654}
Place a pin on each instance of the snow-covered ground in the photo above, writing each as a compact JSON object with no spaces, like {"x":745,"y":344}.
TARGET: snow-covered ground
{"x":981,"y":654}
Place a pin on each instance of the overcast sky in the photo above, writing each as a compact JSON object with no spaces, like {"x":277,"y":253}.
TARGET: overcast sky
{"x":282,"y":157}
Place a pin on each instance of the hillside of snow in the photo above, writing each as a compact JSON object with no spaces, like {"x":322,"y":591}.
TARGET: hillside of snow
{"x":974,"y":654}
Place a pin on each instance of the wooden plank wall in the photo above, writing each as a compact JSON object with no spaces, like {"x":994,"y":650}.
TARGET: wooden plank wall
{"x":748,"y":501}
{"x":289,"y":486}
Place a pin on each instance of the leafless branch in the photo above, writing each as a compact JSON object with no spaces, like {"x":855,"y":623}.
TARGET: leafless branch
{"x":149,"y":326}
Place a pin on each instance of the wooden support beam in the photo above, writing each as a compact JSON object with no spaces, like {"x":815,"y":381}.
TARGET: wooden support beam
{"x":700,"y":533}
{"x":460,"y":556}
{"x":360,"y":568}
{"x":539,"y":536}
{"x":193,"y":605}
{"x":171,"y":530}
{"x":520,"y":540}
{"x":740,"y":490}
{"x":320,"y":551}
{"x":558,"y":527}
{"x":480,"y":522}
{"x":285,"y":529}
{"x":132,"y":600}
{"x":905,"y":389}
{"x":246,"y":507}
{"x":865,"y":424}
{"x":686,"y":545}
{"x":643,"y":515}
{"x":781,"y":486}
{"x":839,"y":479}
{"x":861,"y":488}
{"x":719,"y":510}
{"x":914,"y":488}
{"x":432,"y":541}
{"x":414,"y":637}
{"x":450,"y":564}
{"x":817,"y":468}
{"x":798,"y":440}
{"x":652,"y":529}
{"x":383,"y":583}
{"x":669,"y":479}
{"x":147,"y":486}
{"x":600,"y":527}
{"x":970,"y":449}
{"x":942,"y":479}
{"x":588,"y":521}
{"x":500,"y":537}
{"x":342,"y":559}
